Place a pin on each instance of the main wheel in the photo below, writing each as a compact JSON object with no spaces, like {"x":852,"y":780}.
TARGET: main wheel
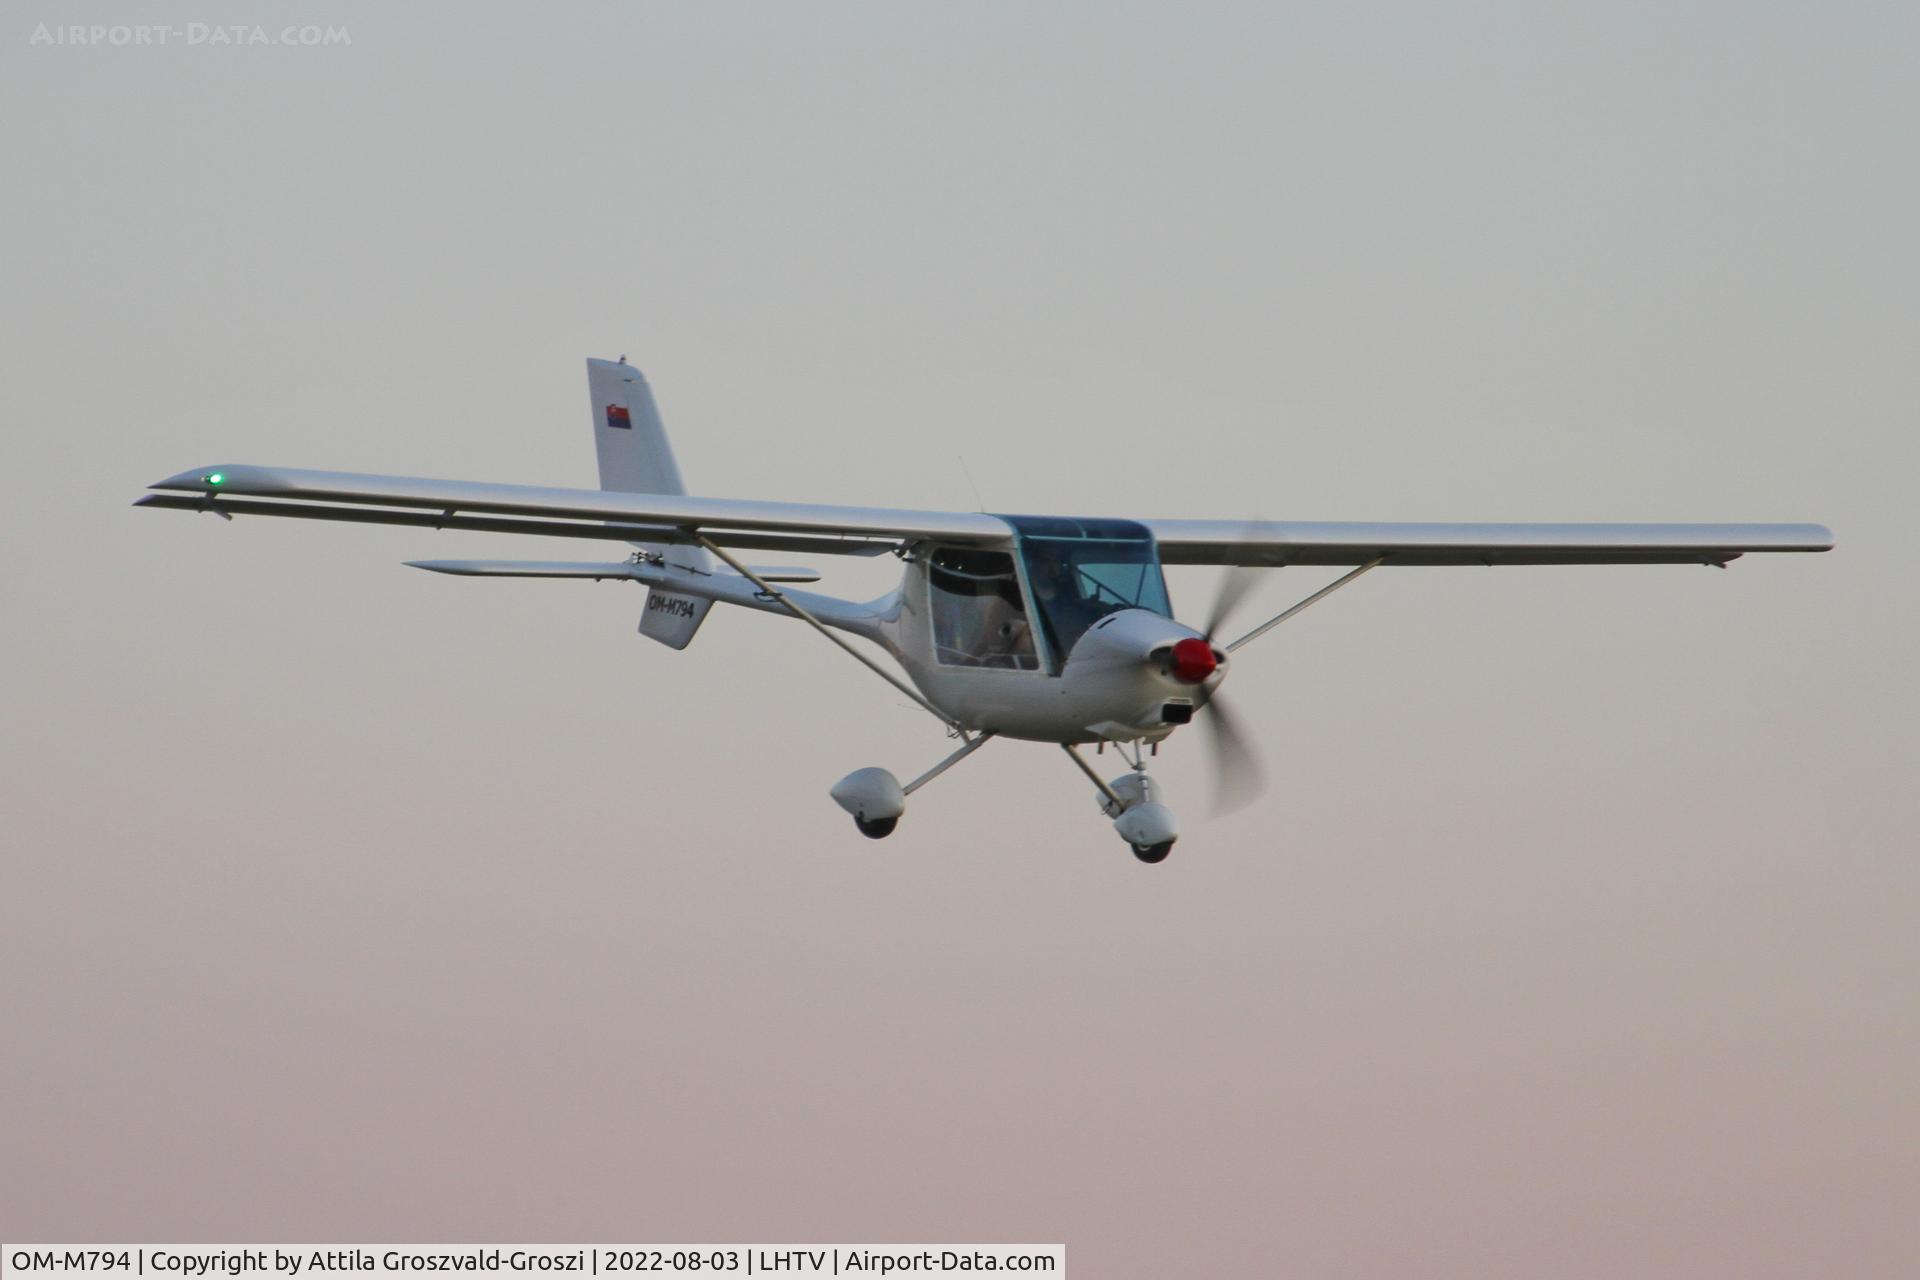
{"x":1153,"y":852}
{"x":881,"y":828}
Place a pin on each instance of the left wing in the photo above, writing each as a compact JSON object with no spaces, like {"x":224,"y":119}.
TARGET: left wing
{"x":1265,"y":542}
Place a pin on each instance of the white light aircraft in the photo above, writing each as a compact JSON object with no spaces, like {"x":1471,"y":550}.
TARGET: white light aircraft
{"x":1051,"y":629}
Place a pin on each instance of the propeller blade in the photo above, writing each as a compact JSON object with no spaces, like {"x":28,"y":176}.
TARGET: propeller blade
{"x":1235,"y":584}
{"x":1238,"y":775}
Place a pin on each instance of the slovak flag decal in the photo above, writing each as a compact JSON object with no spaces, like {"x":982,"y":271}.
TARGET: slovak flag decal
{"x":617,"y":416}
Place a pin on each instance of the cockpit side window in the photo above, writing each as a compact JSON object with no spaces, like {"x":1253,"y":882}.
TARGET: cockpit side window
{"x":979,"y":618}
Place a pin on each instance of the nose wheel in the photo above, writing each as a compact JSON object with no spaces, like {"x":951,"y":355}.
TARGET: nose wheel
{"x":1132,"y":800}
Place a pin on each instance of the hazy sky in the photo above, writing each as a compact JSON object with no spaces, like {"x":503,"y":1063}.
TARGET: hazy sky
{"x":1575,"y":937}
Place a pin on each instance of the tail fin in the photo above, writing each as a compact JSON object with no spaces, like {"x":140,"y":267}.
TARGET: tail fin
{"x":636,"y":458}
{"x":632,"y":441}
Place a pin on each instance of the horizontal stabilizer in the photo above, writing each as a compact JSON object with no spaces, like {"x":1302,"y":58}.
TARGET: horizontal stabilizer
{"x":525,"y":568}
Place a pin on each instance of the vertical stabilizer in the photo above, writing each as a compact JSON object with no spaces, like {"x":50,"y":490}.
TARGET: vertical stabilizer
{"x":632,"y":441}
{"x":635,"y":457}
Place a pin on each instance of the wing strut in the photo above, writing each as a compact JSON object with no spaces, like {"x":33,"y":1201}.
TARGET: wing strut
{"x":767,"y":590}
{"x":1315,"y":598}
{"x":974,"y":743}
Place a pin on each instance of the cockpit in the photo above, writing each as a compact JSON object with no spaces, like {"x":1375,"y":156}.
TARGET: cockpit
{"x":1074,"y":573}
{"x":1079,"y":571}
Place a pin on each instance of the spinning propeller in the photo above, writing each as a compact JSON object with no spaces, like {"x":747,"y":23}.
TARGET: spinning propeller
{"x":1238,"y":774}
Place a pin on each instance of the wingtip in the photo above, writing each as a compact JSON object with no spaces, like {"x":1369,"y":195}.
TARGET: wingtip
{"x":198,"y":480}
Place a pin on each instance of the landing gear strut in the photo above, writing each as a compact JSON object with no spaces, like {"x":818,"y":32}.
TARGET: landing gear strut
{"x":876,"y":799}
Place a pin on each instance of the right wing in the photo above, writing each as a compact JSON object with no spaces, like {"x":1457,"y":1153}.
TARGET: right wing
{"x":597,"y":570}
{"x":567,"y":513}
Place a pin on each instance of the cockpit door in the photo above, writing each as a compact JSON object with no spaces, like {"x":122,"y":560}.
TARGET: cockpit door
{"x":977,"y":611}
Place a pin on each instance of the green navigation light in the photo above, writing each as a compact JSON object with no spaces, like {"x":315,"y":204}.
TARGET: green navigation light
{"x":216,"y":478}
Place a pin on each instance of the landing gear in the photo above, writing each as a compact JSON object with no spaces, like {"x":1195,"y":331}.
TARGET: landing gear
{"x":1132,"y":800}
{"x":876,"y":799}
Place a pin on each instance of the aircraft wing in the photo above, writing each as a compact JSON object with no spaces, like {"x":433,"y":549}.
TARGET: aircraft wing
{"x":1263,"y":542}
{"x":575,"y":513}
{"x":831,"y":530}
{"x":596,"y":569}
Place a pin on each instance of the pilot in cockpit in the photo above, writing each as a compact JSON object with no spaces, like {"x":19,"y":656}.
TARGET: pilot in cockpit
{"x":1056,"y":589}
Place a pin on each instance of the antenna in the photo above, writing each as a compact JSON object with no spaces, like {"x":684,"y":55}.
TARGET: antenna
{"x":980,"y":504}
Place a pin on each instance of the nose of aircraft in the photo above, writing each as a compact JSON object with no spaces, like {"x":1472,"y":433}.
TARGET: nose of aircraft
{"x":1191,"y":661}
{"x":1135,"y":643}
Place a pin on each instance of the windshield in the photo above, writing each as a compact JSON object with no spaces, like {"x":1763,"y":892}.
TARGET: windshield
{"x":1082,"y":570}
